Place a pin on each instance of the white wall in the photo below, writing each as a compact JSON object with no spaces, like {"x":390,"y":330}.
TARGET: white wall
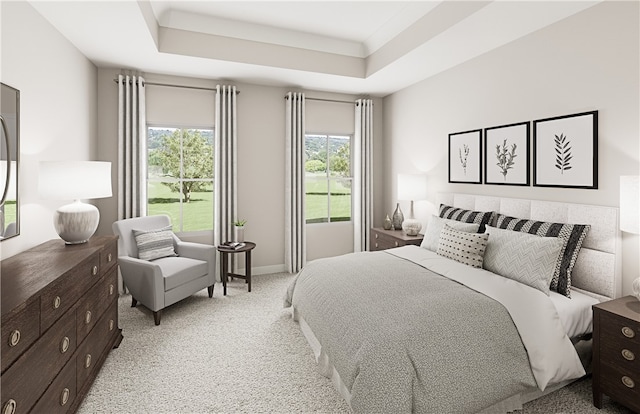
{"x":58,"y":120}
{"x":261,"y":152}
{"x":587,"y":62}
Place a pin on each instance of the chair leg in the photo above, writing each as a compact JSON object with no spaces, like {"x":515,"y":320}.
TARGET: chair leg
{"x":134,"y":302}
{"x":156,"y":317}
{"x":210,"y":289}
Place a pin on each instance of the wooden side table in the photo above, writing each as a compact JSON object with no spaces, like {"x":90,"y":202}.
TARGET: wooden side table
{"x":382,"y":239}
{"x":616,"y":352}
{"x":224,"y":263}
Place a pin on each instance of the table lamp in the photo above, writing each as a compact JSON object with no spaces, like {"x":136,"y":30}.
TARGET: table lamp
{"x":630,"y":213}
{"x":75,"y":223}
{"x":412,"y":187}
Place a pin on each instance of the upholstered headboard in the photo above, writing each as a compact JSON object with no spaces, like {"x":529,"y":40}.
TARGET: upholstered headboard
{"x":598,"y":269}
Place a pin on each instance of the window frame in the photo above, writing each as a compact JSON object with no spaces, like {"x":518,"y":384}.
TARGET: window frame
{"x":328,"y":178}
{"x":180,"y":126}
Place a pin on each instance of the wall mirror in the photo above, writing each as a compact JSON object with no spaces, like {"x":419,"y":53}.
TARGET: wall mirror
{"x":9,"y":154}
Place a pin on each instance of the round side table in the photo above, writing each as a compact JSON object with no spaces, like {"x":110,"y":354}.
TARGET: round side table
{"x":225,"y":253}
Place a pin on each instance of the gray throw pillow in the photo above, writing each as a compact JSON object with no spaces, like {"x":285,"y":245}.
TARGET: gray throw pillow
{"x":463,"y":247}
{"x":432,"y":233}
{"x":154,"y":244}
{"x":526,"y":258}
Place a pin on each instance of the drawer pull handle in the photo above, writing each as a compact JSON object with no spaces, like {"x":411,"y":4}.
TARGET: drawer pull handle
{"x":87,"y":361}
{"x":376,"y":236}
{"x":94,"y":270}
{"x":64,"y":344}
{"x":111,"y":324}
{"x":9,"y":407}
{"x":109,"y":258}
{"x":376,"y":245}
{"x":57,"y":302}
{"x":628,"y":382}
{"x":628,"y":332}
{"x":396,"y":244}
{"x":111,"y":289}
{"x":14,"y":338}
{"x":628,"y":355}
{"x":87,"y":317}
{"x":64,"y":396}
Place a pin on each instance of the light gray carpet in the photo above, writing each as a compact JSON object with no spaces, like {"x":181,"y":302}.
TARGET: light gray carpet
{"x":241,"y":353}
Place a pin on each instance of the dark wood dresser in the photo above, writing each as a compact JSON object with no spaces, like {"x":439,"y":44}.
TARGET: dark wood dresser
{"x":59,"y":323}
{"x":616,"y":352}
{"x":382,"y":239}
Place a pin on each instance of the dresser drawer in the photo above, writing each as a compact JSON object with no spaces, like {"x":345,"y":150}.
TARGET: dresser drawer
{"x":61,"y":393}
{"x":19,"y":332}
{"x":30,"y":375}
{"x":621,"y":384}
{"x":57,"y":298}
{"x":95,"y":303}
{"x":619,"y":330}
{"x":108,"y":256}
{"x":623,"y":354}
{"x":91,"y":349}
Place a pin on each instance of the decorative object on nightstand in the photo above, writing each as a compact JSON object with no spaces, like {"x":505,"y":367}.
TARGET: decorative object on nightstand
{"x":630,"y":213}
{"x":382,"y":239}
{"x":412,"y":187}
{"x":387,"y":225}
{"x":616,"y":352}
{"x":238,"y":227}
{"x":398,"y":218}
{"x":75,"y":223}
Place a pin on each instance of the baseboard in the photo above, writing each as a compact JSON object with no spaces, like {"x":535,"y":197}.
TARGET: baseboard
{"x":264,"y":270}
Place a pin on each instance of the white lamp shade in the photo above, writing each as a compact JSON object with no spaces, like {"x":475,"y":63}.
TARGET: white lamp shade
{"x":74,"y":180}
{"x":412,"y":187}
{"x":630,"y":204}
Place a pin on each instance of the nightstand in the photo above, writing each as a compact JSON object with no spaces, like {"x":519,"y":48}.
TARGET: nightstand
{"x":616,"y":352}
{"x":382,"y":239}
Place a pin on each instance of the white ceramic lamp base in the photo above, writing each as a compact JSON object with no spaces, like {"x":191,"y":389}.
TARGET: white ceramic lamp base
{"x":635,"y":286}
{"x":75,"y":223}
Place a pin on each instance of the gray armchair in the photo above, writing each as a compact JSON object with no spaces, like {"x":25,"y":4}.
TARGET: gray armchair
{"x":162,"y":282}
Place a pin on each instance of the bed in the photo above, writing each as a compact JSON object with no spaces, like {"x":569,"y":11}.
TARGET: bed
{"x":410,"y":330}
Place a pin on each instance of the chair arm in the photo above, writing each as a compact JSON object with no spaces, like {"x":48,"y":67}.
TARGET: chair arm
{"x":144,"y":279}
{"x":199,"y":251}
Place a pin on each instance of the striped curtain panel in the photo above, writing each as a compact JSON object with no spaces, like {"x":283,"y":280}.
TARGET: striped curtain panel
{"x":363,"y":175}
{"x":294,"y":222}
{"x":226,"y":159}
{"x":132,"y":152}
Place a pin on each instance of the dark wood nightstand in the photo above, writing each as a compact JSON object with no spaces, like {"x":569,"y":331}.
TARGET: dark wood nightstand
{"x":382,"y":239}
{"x":616,"y":352}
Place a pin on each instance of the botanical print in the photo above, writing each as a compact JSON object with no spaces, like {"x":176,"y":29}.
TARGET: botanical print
{"x":463,"y":160}
{"x":505,"y":157}
{"x":563,"y":153}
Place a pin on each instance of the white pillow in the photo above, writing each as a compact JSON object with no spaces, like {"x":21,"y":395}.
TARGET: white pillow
{"x":432,"y":233}
{"x":527,"y":258}
{"x":463,"y":247}
{"x":154,"y":244}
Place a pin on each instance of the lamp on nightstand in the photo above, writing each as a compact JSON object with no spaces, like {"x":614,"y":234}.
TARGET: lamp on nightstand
{"x":412,"y":187}
{"x":630,"y":213}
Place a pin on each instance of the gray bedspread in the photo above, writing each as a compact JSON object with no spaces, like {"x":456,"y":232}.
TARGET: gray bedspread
{"x":405,"y":339}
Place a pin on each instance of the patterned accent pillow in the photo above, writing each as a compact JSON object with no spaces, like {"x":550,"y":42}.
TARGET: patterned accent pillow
{"x":526,"y":258}
{"x":432,"y":233}
{"x":572,"y":236}
{"x":463,"y":247}
{"x":154,"y":244}
{"x":468,"y":216}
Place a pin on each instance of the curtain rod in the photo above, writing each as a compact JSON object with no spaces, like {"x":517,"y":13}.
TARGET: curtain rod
{"x":169,"y":85}
{"x":326,"y":100}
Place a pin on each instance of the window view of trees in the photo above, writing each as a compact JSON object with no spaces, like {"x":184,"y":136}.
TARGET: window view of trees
{"x":180,"y":176}
{"x":328,"y":178}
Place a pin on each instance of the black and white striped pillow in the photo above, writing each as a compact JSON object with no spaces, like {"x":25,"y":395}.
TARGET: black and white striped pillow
{"x":572,"y":236}
{"x":468,"y":216}
{"x":154,"y":244}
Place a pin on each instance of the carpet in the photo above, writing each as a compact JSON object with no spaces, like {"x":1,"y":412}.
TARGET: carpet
{"x":241,"y":353}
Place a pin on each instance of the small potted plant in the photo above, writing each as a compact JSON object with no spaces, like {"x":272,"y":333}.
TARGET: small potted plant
{"x":239,"y":230}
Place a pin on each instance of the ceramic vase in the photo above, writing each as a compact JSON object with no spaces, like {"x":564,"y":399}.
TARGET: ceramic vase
{"x":387,"y":225}
{"x":239,"y":234}
{"x":398,"y":218}
{"x":635,"y":286}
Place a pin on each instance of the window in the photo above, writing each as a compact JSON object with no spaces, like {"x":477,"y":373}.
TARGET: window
{"x":328,"y":178}
{"x":180,"y":176}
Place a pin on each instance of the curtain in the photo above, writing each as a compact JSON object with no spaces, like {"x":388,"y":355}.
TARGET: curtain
{"x":295,"y":235}
{"x":225,"y":153}
{"x":363,"y":175}
{"x":132,"y":153}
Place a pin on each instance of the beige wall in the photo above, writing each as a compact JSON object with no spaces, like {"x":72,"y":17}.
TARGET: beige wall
{"x":261,"y":151}
{"x":58,"y":98}
{"x":587,"y":62}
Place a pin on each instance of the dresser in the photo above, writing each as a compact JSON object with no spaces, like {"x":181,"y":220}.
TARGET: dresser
{"x":59,"y":323}
{"x":382,"y":239}
{"x":616,"y":352}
